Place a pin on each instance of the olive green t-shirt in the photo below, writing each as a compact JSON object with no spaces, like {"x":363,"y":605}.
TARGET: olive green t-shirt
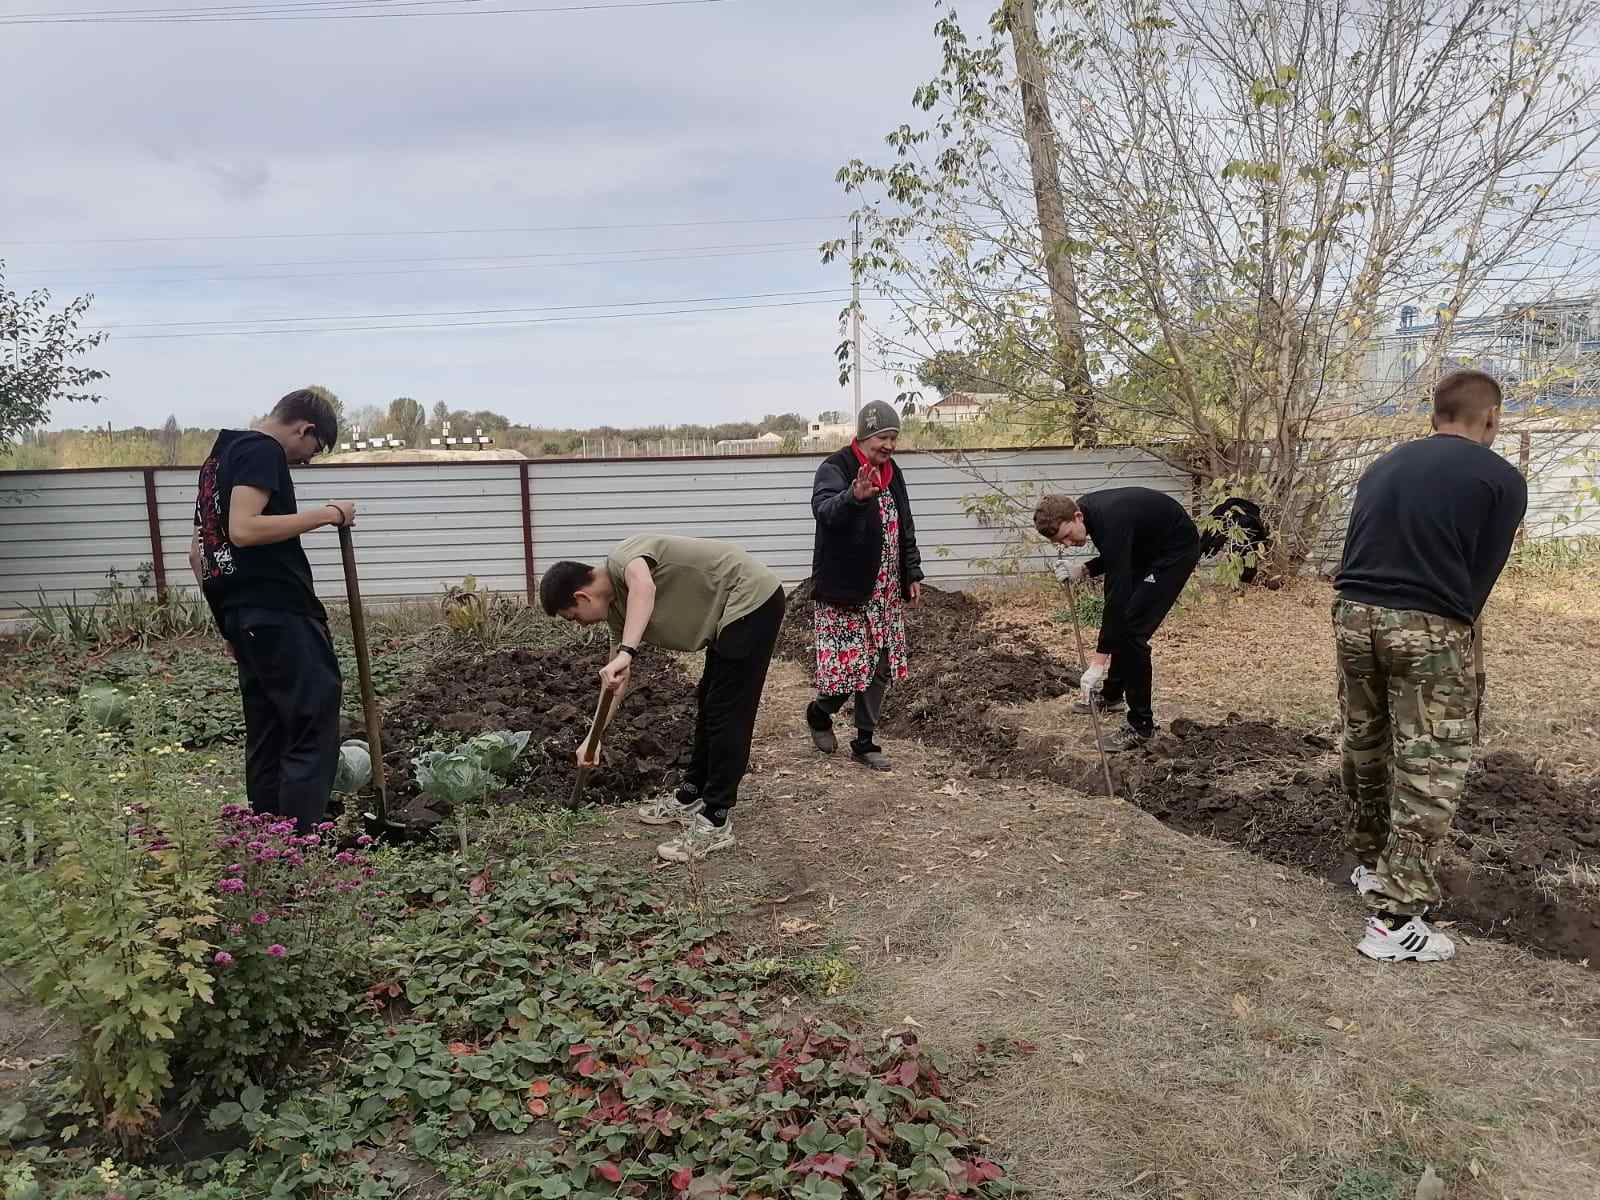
{"x":702,"y":587}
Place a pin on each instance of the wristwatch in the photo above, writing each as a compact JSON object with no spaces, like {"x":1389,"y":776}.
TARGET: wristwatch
{"x":630,"y":651}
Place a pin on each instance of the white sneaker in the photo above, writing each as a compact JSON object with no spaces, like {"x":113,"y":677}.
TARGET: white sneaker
{"x":1413,"y":941}
{"x":698,"y":839}
{"x":1364,"y":880}
{"x":665,"y":809}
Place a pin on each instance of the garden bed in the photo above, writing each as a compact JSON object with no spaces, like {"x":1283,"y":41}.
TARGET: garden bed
{"x":551,"y":693}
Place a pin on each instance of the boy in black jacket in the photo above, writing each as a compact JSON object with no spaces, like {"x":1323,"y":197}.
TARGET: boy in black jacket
{"x":247,"y":558}
{"x":1148,"y":549}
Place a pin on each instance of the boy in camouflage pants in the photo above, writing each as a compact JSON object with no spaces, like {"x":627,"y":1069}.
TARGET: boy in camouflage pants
{"x":1430,"y":530}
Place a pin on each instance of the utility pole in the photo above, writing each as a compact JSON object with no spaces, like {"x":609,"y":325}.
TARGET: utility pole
{"x":855,"y":307}
{"x":1043,"y":160}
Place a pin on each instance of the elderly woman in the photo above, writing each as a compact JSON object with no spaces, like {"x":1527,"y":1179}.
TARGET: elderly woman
{"x":865,"y":568}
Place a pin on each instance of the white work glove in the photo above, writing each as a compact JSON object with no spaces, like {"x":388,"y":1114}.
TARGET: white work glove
{"x":1093,"y":676}
{"x":1074,"y":570}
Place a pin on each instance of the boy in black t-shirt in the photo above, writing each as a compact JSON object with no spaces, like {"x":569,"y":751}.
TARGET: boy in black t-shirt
{"x":247,"y":558}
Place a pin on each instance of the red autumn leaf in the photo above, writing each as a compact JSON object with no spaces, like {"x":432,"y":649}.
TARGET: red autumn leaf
{"x":1026,"y":1048}
{"x":682,"y":1007}
{"x":479,"y":884}
{"x":579,"y":1050}
{"x":539,"y":1087}
{"x":905,"y":1074}
{"x":538,"y":1107}
{"x":834,"y":1165}
{"x":789,"y":1132}
{"x":588,"y":1066}
{"x":681,"y":1178}
{"x":981,"y":1171}
{"x":609,"y":1171}
{"x":646,"y":986}
{"x":460,"y":1048}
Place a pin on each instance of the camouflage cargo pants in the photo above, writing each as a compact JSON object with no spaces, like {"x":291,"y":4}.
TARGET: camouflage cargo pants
{"x":1408,"y":698}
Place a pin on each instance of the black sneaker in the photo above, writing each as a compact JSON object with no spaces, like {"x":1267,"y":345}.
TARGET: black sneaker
{"x":1127,"y":738}
{"x":821,"y":727}
{"x":869,"y":754}
{"x":1100,"y":705}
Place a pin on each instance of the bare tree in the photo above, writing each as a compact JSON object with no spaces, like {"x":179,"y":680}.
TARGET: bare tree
{"x":1251,"y":189}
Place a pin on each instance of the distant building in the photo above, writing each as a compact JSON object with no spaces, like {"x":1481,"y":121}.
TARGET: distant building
{"x":767,"y":443}
{"x":828,"y":432}
{"x":960,"y":407}
{"x":1543,"y":354}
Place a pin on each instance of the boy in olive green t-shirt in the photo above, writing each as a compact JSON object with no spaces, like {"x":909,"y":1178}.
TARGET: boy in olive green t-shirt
{"x":681,"y":593}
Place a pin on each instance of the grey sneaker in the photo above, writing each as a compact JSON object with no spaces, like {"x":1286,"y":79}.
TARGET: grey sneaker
{"x":820,"y":726}
{"x":667,"y":809}
{"x":698,"y":839}
{"x":870,"y":754}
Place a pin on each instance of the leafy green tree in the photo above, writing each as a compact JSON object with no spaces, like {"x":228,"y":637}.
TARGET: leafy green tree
{"x":38,"y":353}
{"x":406,"y":420}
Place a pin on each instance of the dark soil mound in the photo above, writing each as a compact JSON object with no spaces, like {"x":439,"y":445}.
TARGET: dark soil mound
{"x":553,"y":694}
{"x":958,"y":673}
{"x":1516,"y":831}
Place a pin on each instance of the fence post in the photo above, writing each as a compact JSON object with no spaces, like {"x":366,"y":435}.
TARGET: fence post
{"x":153,"y":516}
{"x":527,"y":532}
{"x":1524,"y":457}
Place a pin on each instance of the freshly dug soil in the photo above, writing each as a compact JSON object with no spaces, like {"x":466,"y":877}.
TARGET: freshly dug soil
{"x":552,"y":693}
{"x":960,"y":673}
{"x":1276,"y":792}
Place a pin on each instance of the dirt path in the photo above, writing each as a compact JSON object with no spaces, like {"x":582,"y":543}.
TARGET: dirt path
{"x":1149,"y":1014}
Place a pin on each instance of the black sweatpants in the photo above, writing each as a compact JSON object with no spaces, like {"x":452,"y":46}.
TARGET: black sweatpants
{"x":289,"y":680}
{"x":729,"y":695}
{"x":1131,"y":676}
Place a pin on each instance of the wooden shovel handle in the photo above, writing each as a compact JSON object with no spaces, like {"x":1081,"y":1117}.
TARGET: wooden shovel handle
{"x":591,"y":744}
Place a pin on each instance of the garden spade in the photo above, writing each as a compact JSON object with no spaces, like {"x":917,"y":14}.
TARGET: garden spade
{"x":591,"y":744}
{"x":369,"y":699}
{"x":1094,"y":716}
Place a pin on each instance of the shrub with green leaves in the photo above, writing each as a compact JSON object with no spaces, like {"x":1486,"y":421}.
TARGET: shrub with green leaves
{"x":124,"y":916}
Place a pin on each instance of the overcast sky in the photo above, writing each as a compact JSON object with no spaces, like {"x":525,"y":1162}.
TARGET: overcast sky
{"x":731,"y":111}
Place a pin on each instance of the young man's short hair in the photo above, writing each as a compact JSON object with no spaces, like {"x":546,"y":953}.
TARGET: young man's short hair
{"x":1052,"y":512}
{"x":1463,"y":397}
{"x":306,"y":404}
{"x":559,"y":588}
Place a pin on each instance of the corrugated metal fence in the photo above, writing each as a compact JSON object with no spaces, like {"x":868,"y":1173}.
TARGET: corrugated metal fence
{"x":421,"y":527}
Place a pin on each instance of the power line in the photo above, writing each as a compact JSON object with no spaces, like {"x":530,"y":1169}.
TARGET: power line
{"x":448,"y":258}
{"x":379,"y":233}
{"x":462,"y":312}
{"x":201,"y":17}
{"x":592,"y":262}
{"x":139,"y":337}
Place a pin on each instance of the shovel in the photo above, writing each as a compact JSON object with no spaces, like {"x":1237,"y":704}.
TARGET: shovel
{"x":369,"y":699}
{"x":1094,"y":715}
{"x":591,"y":744}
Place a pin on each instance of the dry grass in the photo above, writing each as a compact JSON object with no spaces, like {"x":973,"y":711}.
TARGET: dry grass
{"x":1180,"y":996}
{"x":1271,"y":654}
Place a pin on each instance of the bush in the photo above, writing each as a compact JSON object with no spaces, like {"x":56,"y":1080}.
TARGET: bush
{"x":289,"y":952}
{"x":131,"y":926}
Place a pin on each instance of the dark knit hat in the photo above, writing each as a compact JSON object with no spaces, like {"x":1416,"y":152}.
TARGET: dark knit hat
{"x":876,"y":417}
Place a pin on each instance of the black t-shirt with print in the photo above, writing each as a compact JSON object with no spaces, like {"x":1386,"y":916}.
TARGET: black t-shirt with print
{"x":276,"y":575}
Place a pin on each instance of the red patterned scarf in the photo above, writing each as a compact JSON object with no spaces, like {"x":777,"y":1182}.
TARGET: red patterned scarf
{"x":880,"y":476}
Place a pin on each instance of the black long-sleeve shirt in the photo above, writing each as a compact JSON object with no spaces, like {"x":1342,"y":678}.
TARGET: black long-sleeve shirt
{"x":1432,"y":527}
{"x":1135,"y":531}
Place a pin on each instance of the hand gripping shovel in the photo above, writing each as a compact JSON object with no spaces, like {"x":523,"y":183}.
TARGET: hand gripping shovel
{"x":369,"y":699}
{"x":591,"y":744}
{"x":1094,"y":715}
